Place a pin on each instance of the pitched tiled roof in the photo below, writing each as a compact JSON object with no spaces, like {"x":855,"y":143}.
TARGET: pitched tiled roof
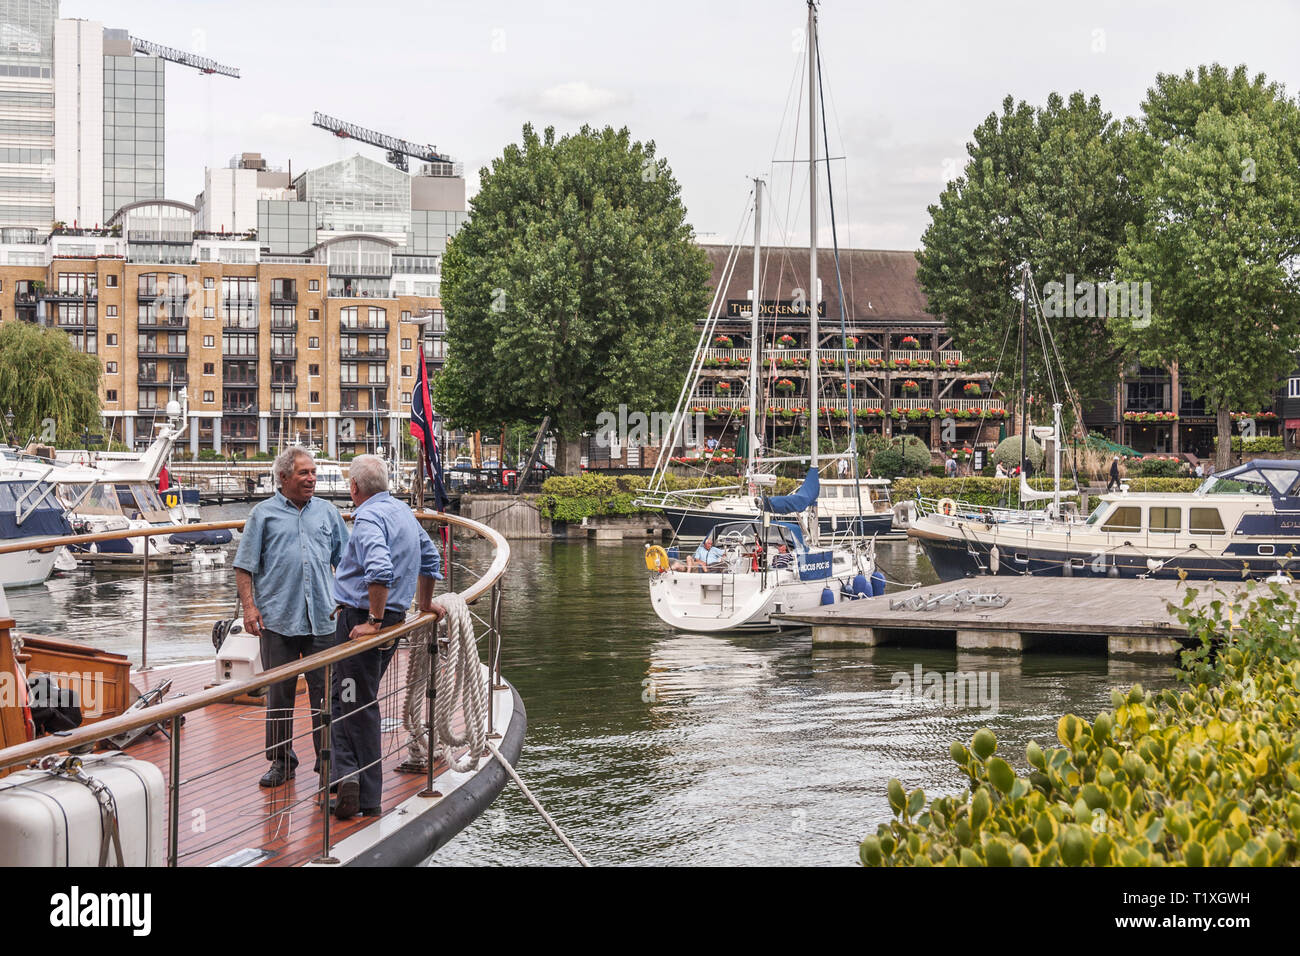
{"x":879,"y":285}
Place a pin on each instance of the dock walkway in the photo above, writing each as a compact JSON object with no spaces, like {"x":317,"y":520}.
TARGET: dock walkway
{"x":1119,"y":617}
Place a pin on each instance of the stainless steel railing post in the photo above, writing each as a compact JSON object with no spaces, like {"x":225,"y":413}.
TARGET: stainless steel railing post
{"x":326,"y":719}
{"x":144,"y":618}
{"x":430,"y":703}
{"x":174,"y":792}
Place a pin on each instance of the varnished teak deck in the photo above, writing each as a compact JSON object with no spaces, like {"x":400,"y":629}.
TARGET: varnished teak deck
{"x":222,"y":808}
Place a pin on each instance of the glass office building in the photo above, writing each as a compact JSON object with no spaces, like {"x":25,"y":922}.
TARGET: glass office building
{"x":27,"y":113}
{"x":358,"y":195}
{"x":134,"y":128}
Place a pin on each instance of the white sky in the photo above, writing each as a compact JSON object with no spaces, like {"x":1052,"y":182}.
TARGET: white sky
{"x":707,"y":81}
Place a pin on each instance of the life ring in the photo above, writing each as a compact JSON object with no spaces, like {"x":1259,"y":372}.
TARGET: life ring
{"x":947,"y":506}
{"x":904,"y":515}
{"x":656,"y":558}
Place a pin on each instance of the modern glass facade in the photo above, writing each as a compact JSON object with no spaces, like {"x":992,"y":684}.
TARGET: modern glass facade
{"x":286,"y":227}
{"x":429,"y":230}
{"x":134,"y":108}
{"x":358,"y":195}
{"x":27,"y":112}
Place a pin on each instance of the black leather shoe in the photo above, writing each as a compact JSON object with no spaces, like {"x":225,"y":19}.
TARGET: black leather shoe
{"x":277,"y":775}
{"x":349,"y":801}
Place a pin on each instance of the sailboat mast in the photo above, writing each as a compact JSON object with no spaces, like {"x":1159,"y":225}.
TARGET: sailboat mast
{"x":812,"y":224}
{"x":754,"y":359}
{"x":1024,"y":366}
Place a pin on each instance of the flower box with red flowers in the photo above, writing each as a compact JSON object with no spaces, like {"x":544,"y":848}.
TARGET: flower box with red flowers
{"x":1151,"y":417}
{"x":785,"y":385}
{"x":973,"y":389}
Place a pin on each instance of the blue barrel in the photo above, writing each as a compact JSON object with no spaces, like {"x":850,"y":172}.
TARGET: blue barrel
{"x":673,"y":553}
{"x":860,"y":586}
{"x":828,"y":596}
{"x":877,"y":583}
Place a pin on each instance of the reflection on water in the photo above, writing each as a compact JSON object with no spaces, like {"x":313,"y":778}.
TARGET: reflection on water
{"x":650,"y":746}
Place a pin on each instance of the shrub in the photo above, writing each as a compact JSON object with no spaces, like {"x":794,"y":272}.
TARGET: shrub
{"x":1164,"y":485}
{"x":1158,"y":468}
{"x":574,"y":497}
{"x":887,"y":463}
{"x":984,"y":492}
{"x":1262,"y":445}
{"x":1008,"y":452}
{"x":1205,"y":777}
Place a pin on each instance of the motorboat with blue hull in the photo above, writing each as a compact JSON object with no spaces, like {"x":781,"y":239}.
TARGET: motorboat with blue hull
{"x":1244,"y":522}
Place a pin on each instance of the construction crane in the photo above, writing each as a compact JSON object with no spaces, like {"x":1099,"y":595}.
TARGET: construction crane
{"x":398,"y":149}
{"x":200,"y":63}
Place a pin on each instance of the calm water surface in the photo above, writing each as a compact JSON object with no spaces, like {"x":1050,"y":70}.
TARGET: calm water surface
{"x":654,"y":747}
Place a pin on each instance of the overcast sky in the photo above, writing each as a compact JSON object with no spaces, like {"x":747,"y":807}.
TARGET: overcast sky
{"x":710,"y":82}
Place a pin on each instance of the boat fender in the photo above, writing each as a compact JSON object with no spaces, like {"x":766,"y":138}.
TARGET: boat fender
{"x":828,"y":596}
{"x":877,"y":583}
{"x":656,"y":558}
{"x":904,"y":515}
{"x":860,"y":586}
{"x":1066,"y":570}
{"x":995,"y":559}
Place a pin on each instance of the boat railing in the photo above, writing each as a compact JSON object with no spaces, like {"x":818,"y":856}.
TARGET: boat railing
{"x":989,"y":514}
{"x":270,"y":816}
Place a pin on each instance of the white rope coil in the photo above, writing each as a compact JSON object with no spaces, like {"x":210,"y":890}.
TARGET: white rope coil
{"x":459,"y":681}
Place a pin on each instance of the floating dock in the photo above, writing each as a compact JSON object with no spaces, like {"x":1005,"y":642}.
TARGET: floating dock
{"x":1120,"y":618}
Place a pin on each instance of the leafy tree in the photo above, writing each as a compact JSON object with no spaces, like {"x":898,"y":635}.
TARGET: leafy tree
{"x":42,"y":377}
{"x":573,"y":287}
{"x":1219,"y":155}
{"x":1045,"y":186}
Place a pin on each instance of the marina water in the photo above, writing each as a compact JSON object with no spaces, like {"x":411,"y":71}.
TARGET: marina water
{"x":655,"y":747}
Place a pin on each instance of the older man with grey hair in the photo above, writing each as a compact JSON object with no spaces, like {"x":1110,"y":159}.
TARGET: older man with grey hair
{"x":283,"y":569}
{"x":388,"y":561}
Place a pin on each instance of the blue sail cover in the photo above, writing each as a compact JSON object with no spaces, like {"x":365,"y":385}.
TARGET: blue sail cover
{"x":801,"y":500}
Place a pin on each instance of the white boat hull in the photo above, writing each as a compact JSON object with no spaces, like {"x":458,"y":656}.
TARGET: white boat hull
{"x":25,"y":568}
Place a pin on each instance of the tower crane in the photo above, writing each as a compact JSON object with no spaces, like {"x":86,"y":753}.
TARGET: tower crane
{"x":398,"y":149}
{"x":200,"y":63}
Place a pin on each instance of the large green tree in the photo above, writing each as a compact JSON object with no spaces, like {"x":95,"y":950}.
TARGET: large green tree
{"x":574,"y":286}
{"x":1046,"y":186}
{"x":1219,"y":160}
{"x":43,"y":380}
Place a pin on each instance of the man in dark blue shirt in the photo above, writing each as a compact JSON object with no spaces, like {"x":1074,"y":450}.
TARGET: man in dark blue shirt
{"x":388,"y":561}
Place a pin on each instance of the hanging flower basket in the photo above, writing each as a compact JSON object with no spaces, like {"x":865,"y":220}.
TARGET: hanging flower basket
{"x":910,"y":387}
{"x":851,"y":342}
{"x":723,"y":342}
{"x":786,"y":341}
{"x":973,"y":389}
{"x":846,"y":388}
{"x":724,"y":387}
{"x":911,"y":342}
{"x":785,"y":385}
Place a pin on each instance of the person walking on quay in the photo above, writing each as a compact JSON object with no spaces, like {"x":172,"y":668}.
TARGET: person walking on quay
{"x":1114,"y":474}
{"x":950,"y":465}
{"x":388,"y":561}
{"x":291,"y":543}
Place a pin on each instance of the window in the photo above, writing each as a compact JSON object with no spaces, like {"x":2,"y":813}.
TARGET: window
{"x":209,"y":368}
{"x":348,"y":372}
{"x":406,"y":345}
{"x":406,"y":398}
{"x":313,"y":343}
{"x":313,"y":315}
{"x":110,"y":395}
{"x":110,"y":282}
{"x":1293,"y":388}
{"x":110,"y":368}
{"x":209,"y":397}
{"x":1124,"y":519}
{"x":378,"y":373}
{"x":314,"y":398}
{"x":313,"y":285}
{"x":110,"y":311}
{"x":1165,"y":520}
{"x":209,"y":342}
{"x":406,"y":371}
{"x":209,"y":312}
{"x":1204,"y":521}
{"x":313,"y":369}
{"x":110,"y":339}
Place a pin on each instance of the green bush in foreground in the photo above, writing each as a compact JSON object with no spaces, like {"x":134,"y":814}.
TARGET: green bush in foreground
{"x":1206,"y":777}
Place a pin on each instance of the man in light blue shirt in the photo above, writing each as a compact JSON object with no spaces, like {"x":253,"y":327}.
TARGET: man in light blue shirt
{"x":388,"y":561}
{"x":290,"y":543}
{"x":705,"y":555}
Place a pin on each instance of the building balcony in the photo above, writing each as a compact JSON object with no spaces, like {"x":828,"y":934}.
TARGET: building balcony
{"x":161,"y":322}
{"x":160,"y":351}
{"x":282,"y":352}
{"x":162,"y":297}
{"x":239,"y":301}
{"x":26,"y":298}
{"x":357,"y":355}
{"x":243,"y":324}
{"x":284,"y":294}
{"x":361,"y":328}
{"x":77,"y":325}
{"x":280,"y":325}
{"x":240,"y":410}
{"x":238,"y":383}
{"x":180,"y":379}
{"x":377,"y":386}
{"x":56,"y":296}
{"x":285,"y":384}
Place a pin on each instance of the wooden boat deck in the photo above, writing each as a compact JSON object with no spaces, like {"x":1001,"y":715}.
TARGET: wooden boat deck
{"x":222,"y":808}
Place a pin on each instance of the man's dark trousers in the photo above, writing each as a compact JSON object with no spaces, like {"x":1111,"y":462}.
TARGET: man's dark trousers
{"x":280,"y":649}
{"x":355,"y":739}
